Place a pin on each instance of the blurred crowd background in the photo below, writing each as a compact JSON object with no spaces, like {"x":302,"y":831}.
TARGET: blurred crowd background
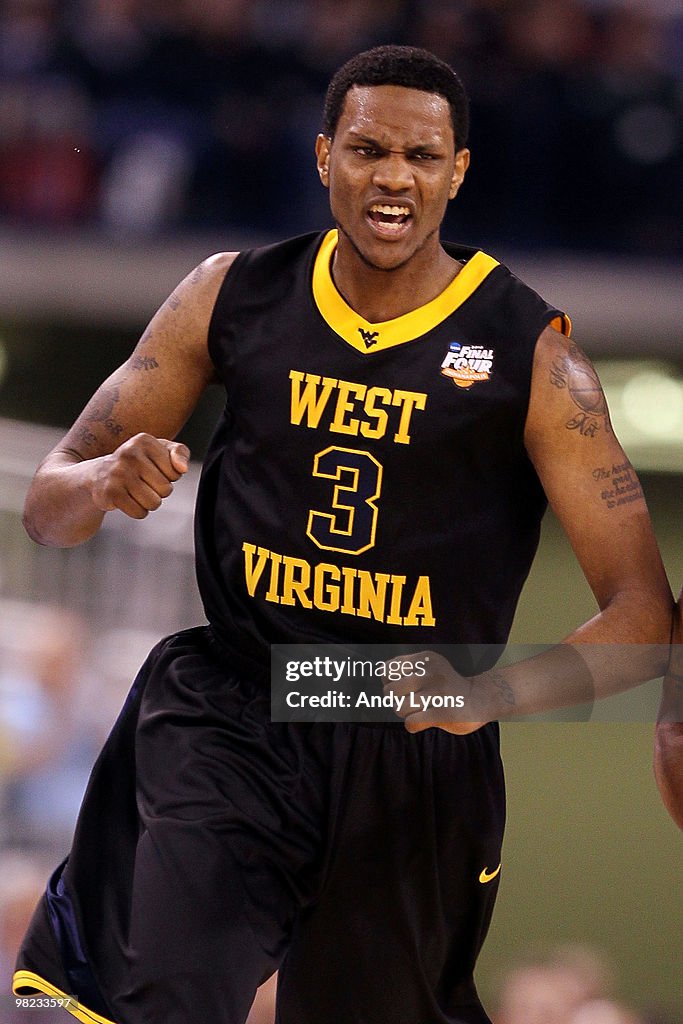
{"x":150,"y":115}
{"x":156,"y":124}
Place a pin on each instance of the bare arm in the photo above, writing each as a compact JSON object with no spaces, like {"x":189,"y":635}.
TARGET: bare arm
{"x":595,"y":494}
{"x":668,"y":754}
{"x":118,"y":453}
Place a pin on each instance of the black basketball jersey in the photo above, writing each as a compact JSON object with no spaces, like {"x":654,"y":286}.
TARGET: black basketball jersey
{"x":367,"y":483}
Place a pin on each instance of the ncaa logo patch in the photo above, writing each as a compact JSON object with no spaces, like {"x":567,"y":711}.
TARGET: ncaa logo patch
{"x":467,"y":364}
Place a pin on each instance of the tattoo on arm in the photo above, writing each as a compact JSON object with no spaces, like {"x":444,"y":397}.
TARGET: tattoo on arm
{"x":501,"y":684}
{"x":558,"y":373}
{"x":584,"y":385}
{"x":86,"y":436}
{"x":619,"y":485}
{"x":575,"y":373}
{"x":101,"y":410}
{"x":144,"y":363}
{"x":586,"y":425}
{"x":198,"y":273}
{"x":174,"y":301}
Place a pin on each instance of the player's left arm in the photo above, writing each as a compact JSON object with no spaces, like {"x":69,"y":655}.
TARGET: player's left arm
{"x":596,"y":495}
{"x":668,"y":753}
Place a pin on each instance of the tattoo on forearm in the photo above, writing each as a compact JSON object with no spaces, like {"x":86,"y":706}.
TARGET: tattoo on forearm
{"x":501,"y":684}
{"x":198,"y":273}
{"x":619,"y":484}
{"x":102,"y":405}
{"x":575,"y":373}
{"x":86,"y":436}
{"x":174,"y":301}
{"x":101,"y":409}
{"x":144,"y":363}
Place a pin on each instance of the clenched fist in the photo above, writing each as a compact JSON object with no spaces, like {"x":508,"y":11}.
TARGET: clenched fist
{"x":138,"y":476}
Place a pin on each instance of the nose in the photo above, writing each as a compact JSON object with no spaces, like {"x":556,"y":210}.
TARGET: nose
{"x":393,"y":173}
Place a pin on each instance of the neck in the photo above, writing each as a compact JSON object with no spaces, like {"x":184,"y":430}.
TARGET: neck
{"x":380,"y":295}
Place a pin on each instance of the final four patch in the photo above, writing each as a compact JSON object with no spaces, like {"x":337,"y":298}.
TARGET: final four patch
{"x":467,"y":364}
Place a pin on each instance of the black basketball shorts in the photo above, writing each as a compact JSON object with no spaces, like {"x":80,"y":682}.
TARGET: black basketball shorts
{"x":215,"y":847}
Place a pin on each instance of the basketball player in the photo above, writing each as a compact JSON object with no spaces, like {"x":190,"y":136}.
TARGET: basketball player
{"x":396,"y":412}
{"x":669,"y":730}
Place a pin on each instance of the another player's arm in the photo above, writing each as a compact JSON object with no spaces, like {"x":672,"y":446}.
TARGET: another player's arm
{"x":118,"y":453}
{"x":668,"y":753}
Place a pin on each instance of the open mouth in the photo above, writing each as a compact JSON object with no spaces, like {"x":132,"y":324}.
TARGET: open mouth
{"x":388,"y":218}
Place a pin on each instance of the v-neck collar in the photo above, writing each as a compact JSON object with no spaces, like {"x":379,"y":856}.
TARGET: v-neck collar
{"x":368,"y":338}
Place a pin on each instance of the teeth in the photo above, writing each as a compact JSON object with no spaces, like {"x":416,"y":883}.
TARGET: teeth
{"x":394,"y":211}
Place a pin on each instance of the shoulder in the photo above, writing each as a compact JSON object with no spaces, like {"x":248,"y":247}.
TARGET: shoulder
{"x":510,"y":304}
{"x":279,"y":255}
{"x":565,"y":363}
{"x":179,"y":327}
{"x":565,"y":382}
{"x":192,"y":300}
{"x":211,"y":272}
{"x":530,"y":305}
{"x":219,"y":263}
{"x":265,"y":272}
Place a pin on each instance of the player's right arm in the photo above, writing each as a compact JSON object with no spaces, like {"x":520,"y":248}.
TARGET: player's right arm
{"x":120,"y":451}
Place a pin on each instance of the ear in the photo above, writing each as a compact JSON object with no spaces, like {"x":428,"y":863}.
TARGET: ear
{"x":322,"y":155}
{"x":462,"y":162}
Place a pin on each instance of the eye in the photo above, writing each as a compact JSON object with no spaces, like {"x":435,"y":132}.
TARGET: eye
{"x":421,"y":155}
{"x":365,"y":150}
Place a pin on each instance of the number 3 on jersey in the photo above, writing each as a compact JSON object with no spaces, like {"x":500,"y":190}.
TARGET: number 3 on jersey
{"x":351,"y":525}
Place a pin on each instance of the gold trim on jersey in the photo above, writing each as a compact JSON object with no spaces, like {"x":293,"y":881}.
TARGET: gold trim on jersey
{"x":563,"y":324}
{"x":29,"y":980}
{"x":368,"y":338}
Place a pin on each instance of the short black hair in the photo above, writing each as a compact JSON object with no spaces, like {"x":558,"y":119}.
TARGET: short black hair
{"x":408,"y":66}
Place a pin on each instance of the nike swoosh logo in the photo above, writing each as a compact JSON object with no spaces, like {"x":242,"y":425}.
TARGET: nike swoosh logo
{"x":486,"y":876}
